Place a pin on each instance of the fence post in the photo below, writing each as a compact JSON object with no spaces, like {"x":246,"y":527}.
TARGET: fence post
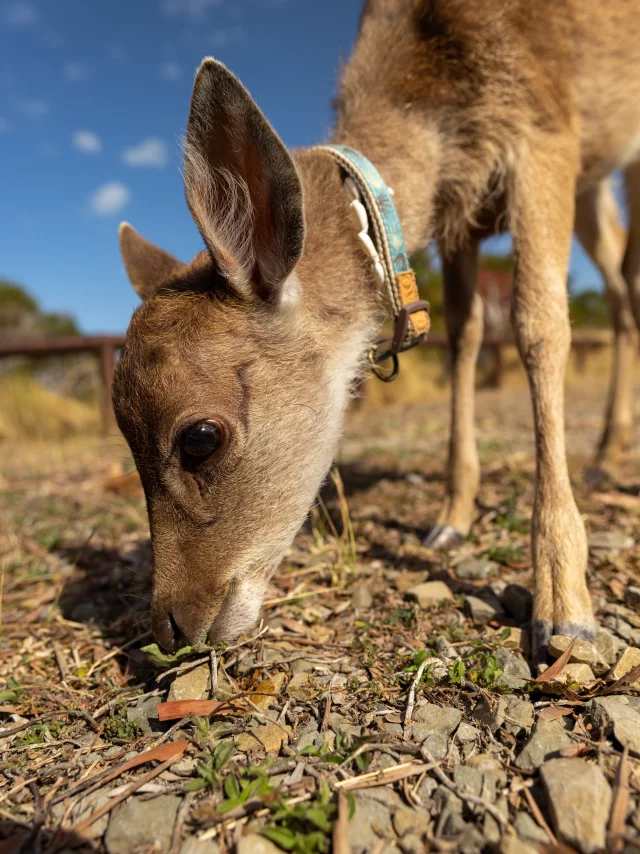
{"x":107,"y":358}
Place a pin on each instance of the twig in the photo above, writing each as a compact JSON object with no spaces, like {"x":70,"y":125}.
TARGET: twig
{"x":213,"y":664}
{"x":341,"y":827}
{"x":181,"y":817}
{"x":384,"y":776}
{"x":412,"y":696}
{"x":615,"y":832}
{"x":461,"y":791}
{"x":327,"y":711}
{"x":62,"y":666}
{"x":535,"y":809}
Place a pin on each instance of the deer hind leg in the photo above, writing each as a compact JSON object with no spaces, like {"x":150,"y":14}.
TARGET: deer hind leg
{"x":542,"y":211}
{"x":463,"y":313}
{"x":603,"y":237}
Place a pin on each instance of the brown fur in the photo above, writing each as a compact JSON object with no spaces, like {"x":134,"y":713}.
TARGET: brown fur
{"x":481,"y":117}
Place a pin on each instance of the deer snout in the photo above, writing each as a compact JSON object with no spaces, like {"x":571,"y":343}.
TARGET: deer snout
{"x":180,"y":624}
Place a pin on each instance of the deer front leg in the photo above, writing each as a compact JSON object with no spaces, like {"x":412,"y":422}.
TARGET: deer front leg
{"x":542,"y":222}
{"x":463,"y":313}
{"x":603,"y":237}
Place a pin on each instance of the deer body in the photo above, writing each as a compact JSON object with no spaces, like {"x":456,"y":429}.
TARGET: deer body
{"x":480,"y":117}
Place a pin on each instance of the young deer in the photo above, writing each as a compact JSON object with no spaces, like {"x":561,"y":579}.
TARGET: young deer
{"x":237,"y":368}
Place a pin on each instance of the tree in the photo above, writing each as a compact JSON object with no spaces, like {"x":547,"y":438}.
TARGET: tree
{"x":21,"y":314}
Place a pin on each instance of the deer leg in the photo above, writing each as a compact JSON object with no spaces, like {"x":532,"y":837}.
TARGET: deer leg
{"x":631,"y":263}
{"x":463,"y":313}
{"x":603,"y":237}
{"x":542,"y":214}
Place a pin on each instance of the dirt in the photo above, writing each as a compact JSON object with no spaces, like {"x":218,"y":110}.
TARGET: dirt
{"x":360,"y":716}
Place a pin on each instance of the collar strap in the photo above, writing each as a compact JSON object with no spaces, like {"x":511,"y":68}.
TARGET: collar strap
{"x":382,"y":237}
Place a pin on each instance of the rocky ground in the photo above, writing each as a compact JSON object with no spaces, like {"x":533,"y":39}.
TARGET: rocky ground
{"x":386,"y":704}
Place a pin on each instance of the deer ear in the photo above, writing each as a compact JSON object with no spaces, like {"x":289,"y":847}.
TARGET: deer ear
{"x":242,"y":186}
{"x":147,"y":266}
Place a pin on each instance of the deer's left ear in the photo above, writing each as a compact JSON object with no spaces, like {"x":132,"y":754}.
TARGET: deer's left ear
{"x":242,"y":185}
{"x":147,"y":266}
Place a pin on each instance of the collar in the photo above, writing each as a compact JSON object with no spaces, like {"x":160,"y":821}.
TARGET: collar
{"x":381,"y":235}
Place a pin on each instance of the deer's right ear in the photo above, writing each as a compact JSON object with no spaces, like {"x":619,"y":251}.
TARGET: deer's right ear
{"x":242,"y":186}
{"x":147,"y":266}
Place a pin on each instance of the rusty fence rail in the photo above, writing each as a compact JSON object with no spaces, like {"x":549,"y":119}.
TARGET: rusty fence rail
{"x":106,"y":346}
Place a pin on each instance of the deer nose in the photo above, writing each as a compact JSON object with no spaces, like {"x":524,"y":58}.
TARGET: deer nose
{"x":182,"y":625}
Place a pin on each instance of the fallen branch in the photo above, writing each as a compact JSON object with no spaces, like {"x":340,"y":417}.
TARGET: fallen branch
{"x":412,"y":696}
{"x":386,"y":775}
{"x":615,"y":832}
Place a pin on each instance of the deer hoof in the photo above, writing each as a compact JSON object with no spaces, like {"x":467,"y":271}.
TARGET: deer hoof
{"x":542,"y":631}
{"x":443,"y":537}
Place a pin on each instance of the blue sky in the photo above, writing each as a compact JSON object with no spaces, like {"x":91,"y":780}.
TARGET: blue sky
{"x":93,"y":103}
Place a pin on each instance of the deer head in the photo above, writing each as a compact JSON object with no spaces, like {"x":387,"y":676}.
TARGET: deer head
{"x":235,"y":373}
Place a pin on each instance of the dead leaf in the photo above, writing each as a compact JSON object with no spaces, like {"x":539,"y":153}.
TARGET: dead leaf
{"x":556,"y":668}
{"x":553,"y":713}
{"x":573,"y":750}
{"x":176,"y":709}
{"x":628,"y":679}
{"x":171,"y":750}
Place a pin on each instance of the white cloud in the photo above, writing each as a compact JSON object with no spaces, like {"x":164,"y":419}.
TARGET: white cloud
{"x":150,"y":152}
{"x":109,"y":198}
{"x":74,"y":72}
{"x":226,"y":36}
{"x":87,"y":141}
{"x":5,"y":125}
{"x":35,"y":108}
{"x":191,"y":8}
{"x":171,"y":70}
{"x":21,"y":14}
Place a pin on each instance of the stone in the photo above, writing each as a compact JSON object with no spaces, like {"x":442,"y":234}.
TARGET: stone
{"x":470,"y":778}
{"x":515,"y":845}
{"x":490,"y":712}
{"x":476,"y":569}
{"x":193,"y":845}
{"x":442,"y":719}
{"x":518,"y":638}
{"x":605,"y":711}
{"x":435,"y":742}
{"x":445,"y":648}
{"x":607,"y":645}
{"x":407,"y":821}
{"x":193,"y":685}
{"x":430,"y":594}
{"x":361,"y":598}
{"x":610,"y":541}
{"x":145,"y":715}
{"x":529,"y":830}
{"x":632,"y":596}
{"x":515,"y":670}
{"x":518,"y":716}
{"x":517,"y":602}
{"x":306,"y":736}
{"x":138,"y":823}
{"x":185,"y":767}
{"x":579,"y":800}
{"x":270,"y":736}
{"x":253,"y":843}
{"x":572,"y":674}
{"x":627,"y":732}
{"x":629,"y":659}
{"x":467,"y":733}
{"x":407,"y":579}
{"x":480,"y":611}
{"x":545,"y":742}
{"x":583,"y":652}
{"x":371,"y":814}
{"x":303,"y":687}
{"x":87,"y":805}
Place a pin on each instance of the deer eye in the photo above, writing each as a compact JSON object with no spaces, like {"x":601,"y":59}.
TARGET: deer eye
{"x":202,"y":440}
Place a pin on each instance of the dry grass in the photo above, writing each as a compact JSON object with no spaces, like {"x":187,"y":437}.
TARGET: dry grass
{"x":30,"y":411}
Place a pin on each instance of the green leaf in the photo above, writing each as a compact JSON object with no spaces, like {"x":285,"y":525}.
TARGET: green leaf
{"x":281,"y":836}
{"x":223,"y":753}
{"x":154,"y":654}
{"x":196,"y":785}
{"x":229,"y":804}
{"x":231,"y":787}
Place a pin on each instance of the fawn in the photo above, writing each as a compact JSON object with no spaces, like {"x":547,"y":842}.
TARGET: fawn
{"x":237,"y":368}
